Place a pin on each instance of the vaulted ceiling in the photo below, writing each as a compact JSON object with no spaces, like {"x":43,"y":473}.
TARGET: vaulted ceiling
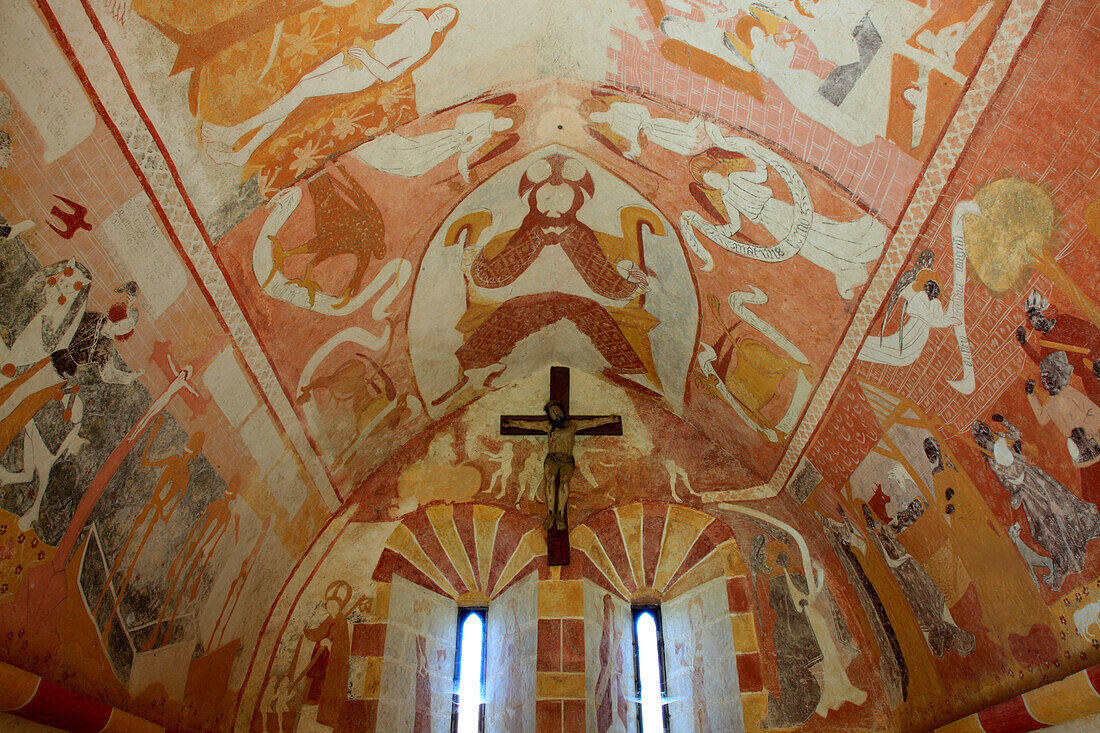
{"x":276,"y":269}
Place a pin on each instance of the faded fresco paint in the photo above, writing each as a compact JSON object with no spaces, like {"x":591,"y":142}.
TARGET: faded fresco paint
{"x":271,"y":273}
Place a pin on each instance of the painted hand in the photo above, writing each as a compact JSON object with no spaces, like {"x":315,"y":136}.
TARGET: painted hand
{"x":356,"y":57}
{"x":632,"y":272}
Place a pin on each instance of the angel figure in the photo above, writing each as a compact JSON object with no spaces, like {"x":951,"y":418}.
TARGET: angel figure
{"x":919,"y":291}
{"x":620,"y":125}
{"x":731,"y":184}
{"x":923,"y":311}
{"x":473,"y":133}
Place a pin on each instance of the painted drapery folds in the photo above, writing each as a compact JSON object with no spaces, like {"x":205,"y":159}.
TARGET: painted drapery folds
{"x":271,"y":273}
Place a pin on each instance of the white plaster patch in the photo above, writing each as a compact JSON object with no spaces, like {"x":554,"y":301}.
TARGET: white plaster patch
{"x":229,"y":387}
{"x":262,"y":439}
{"x":285,"y":483}
{"x":165,"y":666}
{"x":40,"y":79}
{"x":489,"y":49}
{"x":134,"y":239}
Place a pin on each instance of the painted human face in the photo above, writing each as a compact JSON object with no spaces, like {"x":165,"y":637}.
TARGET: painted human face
{"x":442,"y":18}
{"x":983,"y":436}
{"x":1050,"y":380}
{"x":932,"y":452}
{"x":1040,"y":322}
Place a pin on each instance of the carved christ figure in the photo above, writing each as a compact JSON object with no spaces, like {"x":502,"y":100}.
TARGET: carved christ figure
{"x":558,"y":467}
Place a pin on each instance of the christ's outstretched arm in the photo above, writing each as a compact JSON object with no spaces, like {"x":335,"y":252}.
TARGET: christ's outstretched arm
{"x":595,"y":422}
{"x":527,"y":424}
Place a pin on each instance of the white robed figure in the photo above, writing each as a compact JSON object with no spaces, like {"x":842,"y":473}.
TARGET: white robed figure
{"x":773,"y":57}
{"x":354,"y":70}
{"x":630,"y":121}
{"x":843,"y":248}
{"x":414,"y":156}
{"x":924,"y":311}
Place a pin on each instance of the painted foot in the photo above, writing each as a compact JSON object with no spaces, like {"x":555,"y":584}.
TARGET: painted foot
{"x":307,"y":284}
{"x":224,"y":155}
{"x":212,"y":134}
{"x":344,"y":300}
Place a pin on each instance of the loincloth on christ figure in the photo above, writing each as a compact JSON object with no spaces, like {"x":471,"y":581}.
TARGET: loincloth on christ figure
{"x":561,"y":464}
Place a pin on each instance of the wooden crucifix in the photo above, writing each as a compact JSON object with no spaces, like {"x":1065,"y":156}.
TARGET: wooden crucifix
{"x":560,"y":427}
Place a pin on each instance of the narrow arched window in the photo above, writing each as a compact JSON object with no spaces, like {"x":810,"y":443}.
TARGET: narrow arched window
{"x":649,"y":668}
{"x":468,"y":715}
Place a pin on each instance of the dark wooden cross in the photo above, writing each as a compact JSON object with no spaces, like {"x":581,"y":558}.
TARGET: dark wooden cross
{"x":557,"y":540}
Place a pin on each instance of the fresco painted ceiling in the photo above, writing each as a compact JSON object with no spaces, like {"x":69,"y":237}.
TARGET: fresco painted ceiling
{"x":726,"y":157}
{"x":273,"y":271}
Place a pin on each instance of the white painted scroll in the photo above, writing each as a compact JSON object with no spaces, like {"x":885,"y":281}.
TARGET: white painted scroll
{"x":274,"y":283}
{"x":956,"y":307}
{"x":706,"y":360}
{"x":801,"y":220}
{"x":367,"y":341}
{"x":40,"y":79}
{"x":802,"y":389}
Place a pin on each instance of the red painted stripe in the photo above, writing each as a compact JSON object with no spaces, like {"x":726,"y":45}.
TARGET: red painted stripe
{"x":1011,"y":716}
{"x":749,"y":676}
{"x":55,"y":706}
{"x":1094,"y":678}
